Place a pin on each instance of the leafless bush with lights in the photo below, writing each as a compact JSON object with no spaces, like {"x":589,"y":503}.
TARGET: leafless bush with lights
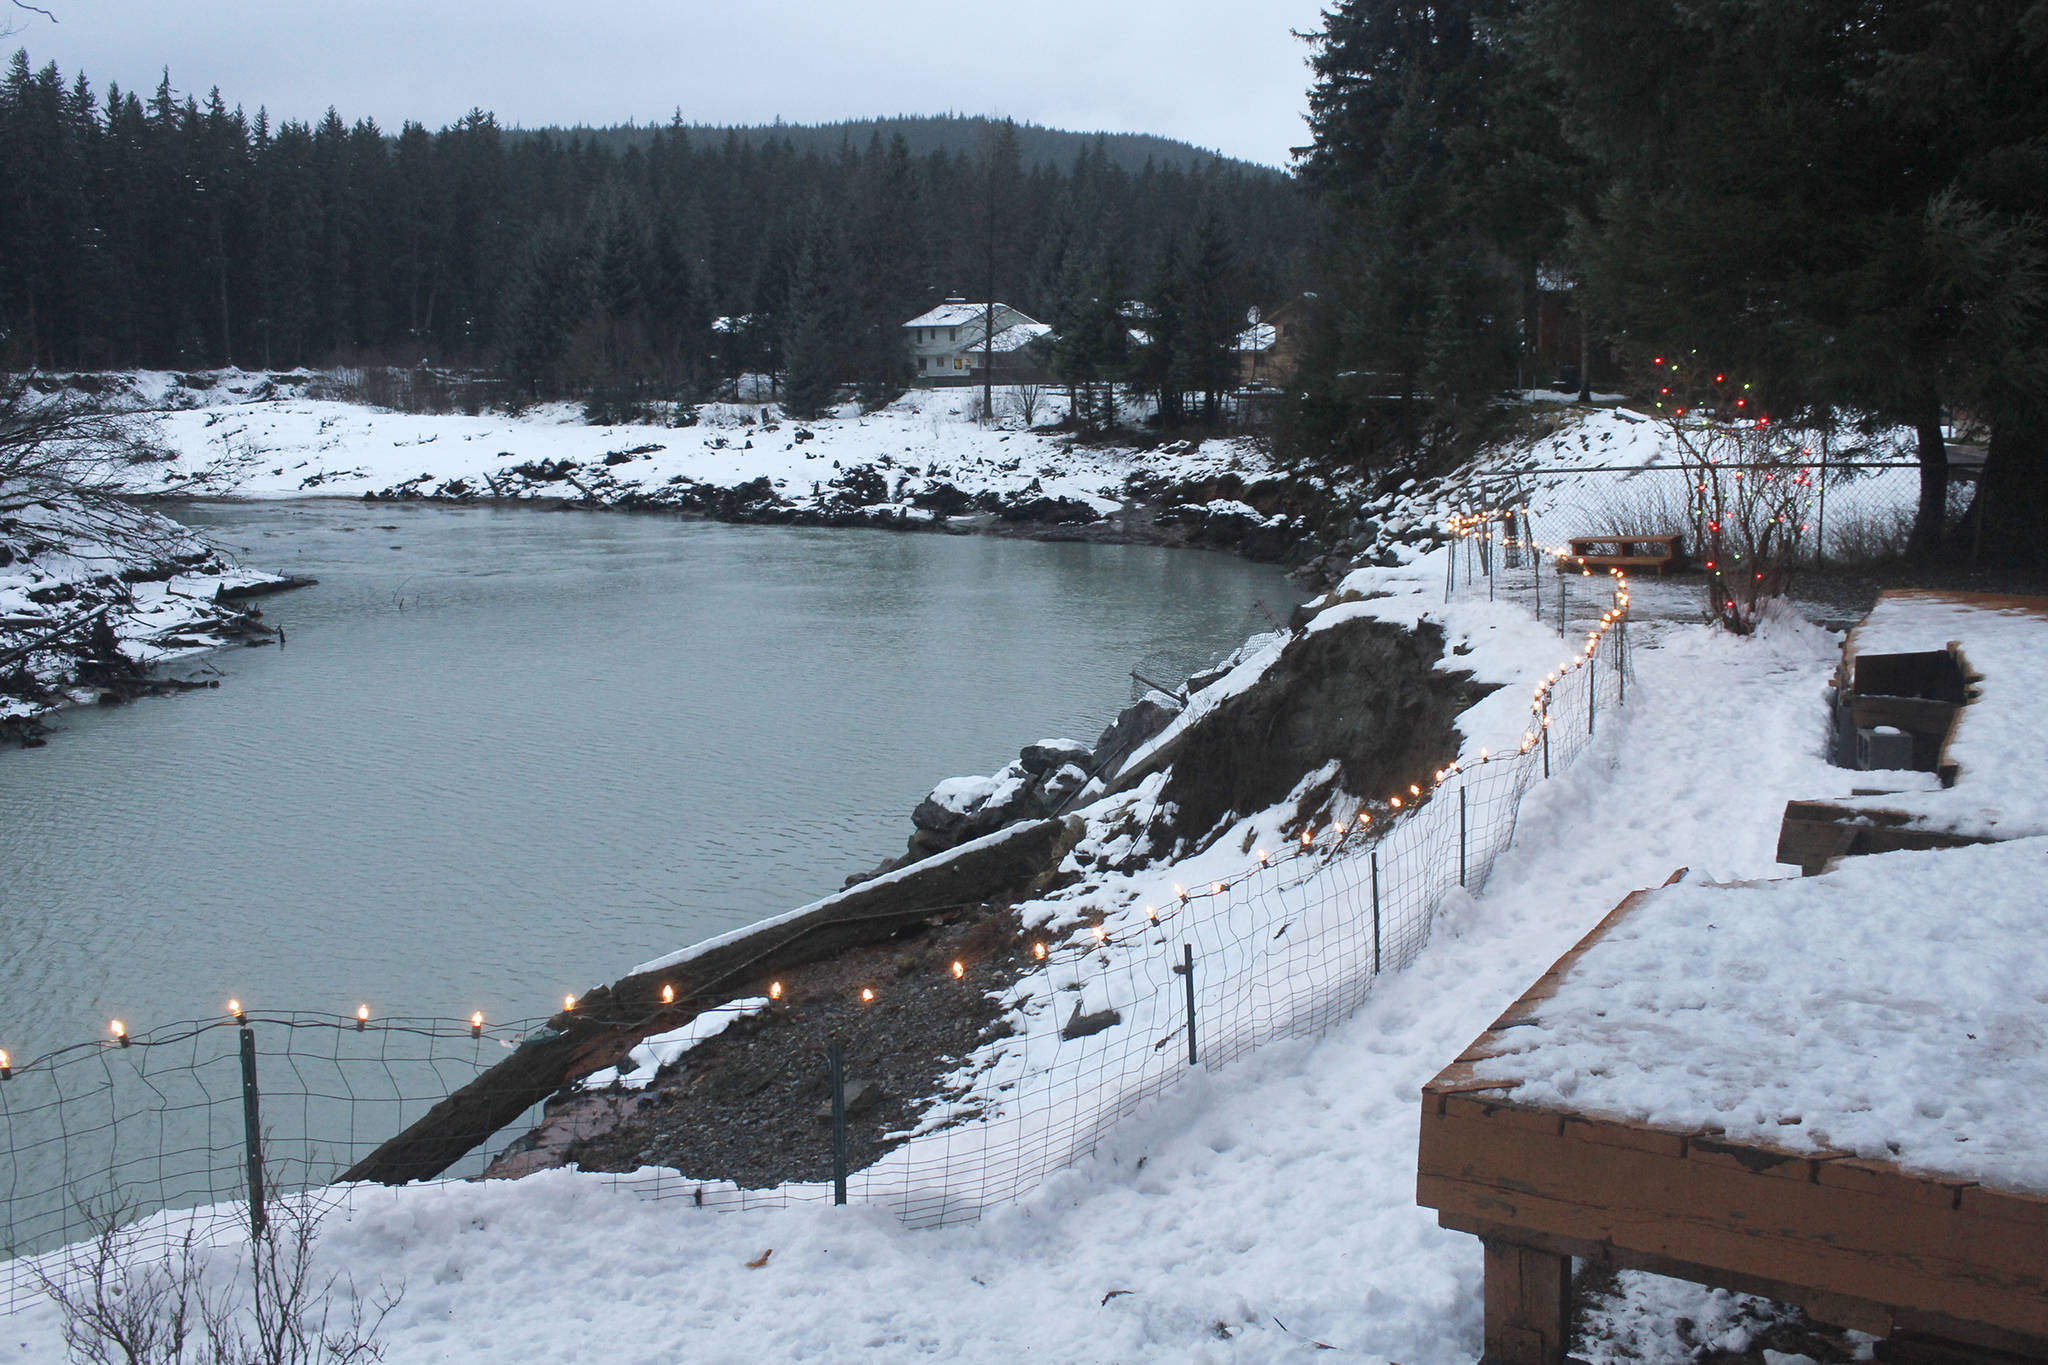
{"x":1749,"y":507}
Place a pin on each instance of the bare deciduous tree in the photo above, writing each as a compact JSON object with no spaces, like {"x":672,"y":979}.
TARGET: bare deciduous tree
{"x":72,"y":457}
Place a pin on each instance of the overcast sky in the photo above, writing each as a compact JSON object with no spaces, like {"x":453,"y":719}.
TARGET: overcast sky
{"x":1224,"y":74}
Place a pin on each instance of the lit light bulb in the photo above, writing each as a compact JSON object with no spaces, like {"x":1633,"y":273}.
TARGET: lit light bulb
{"x":362,"y":1017}
{"x":1216,"y":888}
{"x":6,"y":1066}
{"x":668,"y":994}
{"x":235,"y":1008}
{"x":959,"y":970}
{"x":867,"y":995}
{"x":1152,"y":914}
{"x":120,"y":1031}
{"x":1038,"y":951}
{"x":1308,"y":838}
{"x":1180,"y":892}
{"x":1414,"y":790}
{"x":568,"y":1003}
{"x":1262,"y":856}
{"x":775,"y":990}
{"x":1395,"y":802}
{"x":1101,"y":934}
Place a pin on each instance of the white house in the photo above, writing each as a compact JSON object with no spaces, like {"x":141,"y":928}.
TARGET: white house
{"x":947,"y":343}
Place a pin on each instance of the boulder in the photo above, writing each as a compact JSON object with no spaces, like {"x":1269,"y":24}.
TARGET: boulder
{"x":1050,"y":754}
{"x":1135,"y":724}
{"x":1062,"y":786}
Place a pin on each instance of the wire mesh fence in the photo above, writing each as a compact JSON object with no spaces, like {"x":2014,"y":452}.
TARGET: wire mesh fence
{"x":1860,"y":511}
{"x":1108,"y":1006}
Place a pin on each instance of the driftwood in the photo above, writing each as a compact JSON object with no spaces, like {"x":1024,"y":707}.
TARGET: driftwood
{"x":608,"y":1021}
{"x":70,"y":627}
{"x":241,"y":591}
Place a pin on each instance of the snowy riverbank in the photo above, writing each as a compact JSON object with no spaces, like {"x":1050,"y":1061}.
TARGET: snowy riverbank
{"x":91,"y":606}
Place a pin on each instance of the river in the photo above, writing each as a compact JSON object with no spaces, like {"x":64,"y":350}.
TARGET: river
{"x":506,"y":754}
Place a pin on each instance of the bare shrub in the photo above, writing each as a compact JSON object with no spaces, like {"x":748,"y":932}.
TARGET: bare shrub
{"x":1024,"y":401}
{"x":290,"y":1318}
{"x":122,"y":1308}
{"x":1649,"y":505}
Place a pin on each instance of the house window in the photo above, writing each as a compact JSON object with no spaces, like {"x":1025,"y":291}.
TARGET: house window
{"x":952,"y":334}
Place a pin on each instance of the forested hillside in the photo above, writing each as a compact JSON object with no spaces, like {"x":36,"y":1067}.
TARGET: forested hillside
{"x":168,"y":230}
{"x":954,"y":134}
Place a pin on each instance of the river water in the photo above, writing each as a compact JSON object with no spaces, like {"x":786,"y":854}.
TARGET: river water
{"x":506,"y":754}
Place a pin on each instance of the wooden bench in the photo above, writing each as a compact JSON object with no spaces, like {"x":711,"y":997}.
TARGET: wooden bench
{"x":1862,"y":1243}
{"x":1657,"y":552}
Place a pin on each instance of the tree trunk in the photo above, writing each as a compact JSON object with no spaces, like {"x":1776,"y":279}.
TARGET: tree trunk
{"x":2011,"y":510}
{"x":1930,"y":521}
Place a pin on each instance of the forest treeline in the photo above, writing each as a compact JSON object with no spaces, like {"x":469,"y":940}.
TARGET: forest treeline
{"x":171,"y":231}
{"x":1842,"y":204}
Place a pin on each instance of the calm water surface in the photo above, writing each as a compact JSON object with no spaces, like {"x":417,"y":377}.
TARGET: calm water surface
{"x":507,"y":754}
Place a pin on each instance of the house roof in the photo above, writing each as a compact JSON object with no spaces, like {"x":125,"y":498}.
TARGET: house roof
{"x":1018,"y":336}
{"x":1258,"y":337}
{"x":957,"y":313}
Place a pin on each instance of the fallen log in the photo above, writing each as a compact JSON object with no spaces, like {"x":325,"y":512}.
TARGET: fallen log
{"x":240,"y":591}
{"x":609,"y":1020}
{"x":70,"y":627}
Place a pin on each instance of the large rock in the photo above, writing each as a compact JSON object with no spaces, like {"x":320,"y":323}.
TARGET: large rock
{"x":1368,"y":695}
{"x":1134,"y":725}
{"x":1049,"y":755}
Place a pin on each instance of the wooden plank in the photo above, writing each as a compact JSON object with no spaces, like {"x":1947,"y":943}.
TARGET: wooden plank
{"x":1884,"y":1250}
{"x":1528,"y":1305}
{"x":1842,"y":1311}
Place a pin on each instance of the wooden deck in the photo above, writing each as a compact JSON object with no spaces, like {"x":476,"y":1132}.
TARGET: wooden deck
{"x":1858,"y":1243}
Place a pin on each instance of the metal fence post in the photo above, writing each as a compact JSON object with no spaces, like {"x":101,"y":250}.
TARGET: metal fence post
{"x":1461,"y":834}
{"x":1621,"y":657}
{"x":1375,"y":912}
{"x":835,"y":1060}
{"x":1820,"y":539}
{"x":1592,"y":689}
{"x":1546,"y":742}
{"x":1187,"y":967}
{"x":252,"y":1134}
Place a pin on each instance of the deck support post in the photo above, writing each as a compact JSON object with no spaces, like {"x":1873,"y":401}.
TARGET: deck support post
{"x":1528,"y":1305}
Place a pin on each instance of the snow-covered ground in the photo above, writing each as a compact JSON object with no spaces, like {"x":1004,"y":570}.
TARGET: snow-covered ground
{"x":1252,"y":1213}
{"x":248,"y":436}
{"x":1255,"y":1211}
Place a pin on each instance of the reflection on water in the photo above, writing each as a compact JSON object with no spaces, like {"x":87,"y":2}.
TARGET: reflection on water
{"x":506,"y":754}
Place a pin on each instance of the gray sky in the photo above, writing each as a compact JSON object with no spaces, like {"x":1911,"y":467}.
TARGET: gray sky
{"x":1224,"y":74}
